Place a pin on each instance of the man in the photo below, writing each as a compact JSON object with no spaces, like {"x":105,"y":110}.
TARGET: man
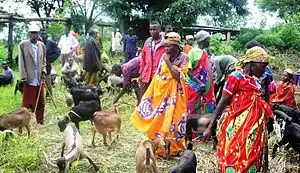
{"x":7,"y":76}
{"x":52,"y":53}
{"x":130,"y":70}
{"x":116,"y":42}
{"x":70,"y":72}
{"x":92,"y":62}
{"x":68,"y":44}
{"x":168,"y":28}
{"x":151,"y":55}
{"x":189,"y":44}
{"x":32,"y":66}
{"x":130,"y":47}
{"x":225,"y":64}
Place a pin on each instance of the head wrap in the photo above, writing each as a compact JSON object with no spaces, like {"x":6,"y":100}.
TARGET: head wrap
{"x":202,"y":35}
{"x":173,"y":38}
{"x":289,"y":71}
{"x":255,"y":54}
{"x":189,"y":37}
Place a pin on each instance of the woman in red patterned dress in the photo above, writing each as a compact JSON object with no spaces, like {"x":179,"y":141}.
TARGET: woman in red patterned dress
{"x":242,"y":143}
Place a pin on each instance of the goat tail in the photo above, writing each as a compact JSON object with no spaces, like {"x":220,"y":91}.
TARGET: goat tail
{"x":147,"y":156}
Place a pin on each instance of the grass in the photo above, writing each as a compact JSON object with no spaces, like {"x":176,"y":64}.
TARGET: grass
{"x":34,"y":155}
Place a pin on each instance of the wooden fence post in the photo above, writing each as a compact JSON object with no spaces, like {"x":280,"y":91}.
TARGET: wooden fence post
{"x":10,"y":39}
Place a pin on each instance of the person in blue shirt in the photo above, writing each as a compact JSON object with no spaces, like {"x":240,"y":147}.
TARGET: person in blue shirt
{"x":130,"y":45}
{"x":7,"y":76}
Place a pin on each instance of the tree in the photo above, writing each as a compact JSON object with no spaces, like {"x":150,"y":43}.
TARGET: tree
{"x":85,"y":14}
{"x":284,"y":8}
{"x":44,"y":7}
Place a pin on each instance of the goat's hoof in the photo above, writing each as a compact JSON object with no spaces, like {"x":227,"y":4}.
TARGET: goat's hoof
{"x":105,"y":144}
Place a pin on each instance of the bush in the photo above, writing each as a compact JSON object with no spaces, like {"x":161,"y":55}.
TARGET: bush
{"x":218,"y":47}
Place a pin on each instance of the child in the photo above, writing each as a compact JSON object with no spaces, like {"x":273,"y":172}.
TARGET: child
{"x":285,"y":90}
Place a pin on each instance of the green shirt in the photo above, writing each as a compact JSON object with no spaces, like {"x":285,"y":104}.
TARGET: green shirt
{"x":194,"y":56}
{"x":225,"y":64}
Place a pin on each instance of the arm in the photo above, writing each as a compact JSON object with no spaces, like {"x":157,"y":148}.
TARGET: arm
{"x":120,"y":95}
{"x":175,"y":73}
{"x":142,"y":62}
{"x":75,"y":44}
{"x":23,"y":74}
{"x":44,"y":60}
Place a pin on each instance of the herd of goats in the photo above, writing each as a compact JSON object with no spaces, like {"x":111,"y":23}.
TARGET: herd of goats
{"x":87,"y":106}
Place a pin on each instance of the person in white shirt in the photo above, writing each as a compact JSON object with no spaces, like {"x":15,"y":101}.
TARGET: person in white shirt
{"x":70,"y":73}
{"x":68,"y":45}
{"x":117,"y":46}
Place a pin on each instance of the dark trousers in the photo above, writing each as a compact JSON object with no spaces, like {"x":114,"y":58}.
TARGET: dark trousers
{"x":143,"y":88}
{"x":30,"y":94}
{"x":129,"y":56}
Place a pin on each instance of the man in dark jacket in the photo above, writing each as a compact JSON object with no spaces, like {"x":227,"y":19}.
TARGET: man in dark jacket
{"x":92,"y":62}
{"x":52,"y":53}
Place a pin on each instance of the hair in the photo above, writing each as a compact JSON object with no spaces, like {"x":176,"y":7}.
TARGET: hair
{"x":92,"y":32}
{"x":155,"y":23}
{"x":168,"y":27}
{"x":116,"y":68}
{"x":253,"y":43}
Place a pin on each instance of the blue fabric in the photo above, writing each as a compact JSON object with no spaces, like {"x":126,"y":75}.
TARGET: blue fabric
{"x":268,"y":75}
{"x":130,"y":44}
{"x":35,"y":81}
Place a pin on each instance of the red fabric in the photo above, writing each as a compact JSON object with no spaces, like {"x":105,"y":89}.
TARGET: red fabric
{"x":285,"y":94}
{"x":148,"y":63}
{"x":30,"y":94}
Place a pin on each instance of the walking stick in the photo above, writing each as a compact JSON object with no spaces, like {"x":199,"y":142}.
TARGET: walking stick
{"x":38,"y":97}
{"x":51,"y":96}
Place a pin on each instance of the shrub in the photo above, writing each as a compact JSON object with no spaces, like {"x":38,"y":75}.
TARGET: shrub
{"x":219,"y":47}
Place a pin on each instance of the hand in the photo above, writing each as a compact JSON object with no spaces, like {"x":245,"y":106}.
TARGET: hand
{"x":207,"y":134}
{"x":166,"y":58}
{"x":23,"y":80}
{"x":43,"y":76}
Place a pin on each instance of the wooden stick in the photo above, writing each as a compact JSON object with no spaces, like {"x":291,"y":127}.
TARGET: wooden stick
{"x":38,"y":97}
{"x":51,"y":96}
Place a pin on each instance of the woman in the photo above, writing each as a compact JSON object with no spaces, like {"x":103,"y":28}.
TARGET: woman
{"x":242,"y":145}
{"x":200,"y":84}
{"x":162,"y":111}
{"x":285,"y":90}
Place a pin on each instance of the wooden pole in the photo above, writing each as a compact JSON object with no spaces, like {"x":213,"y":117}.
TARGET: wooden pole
{"x":10,"y":40}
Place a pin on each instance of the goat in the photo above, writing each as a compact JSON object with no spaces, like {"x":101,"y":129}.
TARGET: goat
{"x":291,"y":133}
{"x":145,"y":158}
{"x":188,"y":163}
{"x":106,"y":121}
{"x":19,"y":87}
{"x":83,"y":94}
{"x":72,"y":140}
{"x":163,"y":144}
{"x":291,"y":112}
{"x":17,"y":119}
{"x":82,"y":112}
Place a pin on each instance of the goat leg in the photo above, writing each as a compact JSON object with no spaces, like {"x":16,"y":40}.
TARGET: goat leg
{"x":94,"y":134}
{"x":104,"y":138}
{"x":109,"y":134}
{"x":84,"y":155}
{"x":77,"y":126}
{"x":289,"y":145}
{"x":62,"y":150}
{"x":282,"y":142}
{"x":20,"y":130}
{"x":28,"y":130}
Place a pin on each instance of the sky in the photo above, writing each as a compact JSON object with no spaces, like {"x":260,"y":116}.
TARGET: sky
{"x":253,"y":20}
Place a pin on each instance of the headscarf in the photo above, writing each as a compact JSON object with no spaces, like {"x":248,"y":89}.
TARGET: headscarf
{"x":173,"y":38}
{"x":255,"y":54}
{"x":202,"y":35}
{"x":289,"y":71}
{"x":189,"y":37}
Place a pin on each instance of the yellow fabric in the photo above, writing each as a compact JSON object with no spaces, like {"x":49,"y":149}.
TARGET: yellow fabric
{"x":255,"y":54}
{"x":159,"y":124}
{"x":92,"y":78}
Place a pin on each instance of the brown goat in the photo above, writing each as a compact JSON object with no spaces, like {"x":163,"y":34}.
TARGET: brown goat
{"x":145,"y":158}
{"x":106,"y":121}
{"x":163,"y":144}
{"x":17,"y":119}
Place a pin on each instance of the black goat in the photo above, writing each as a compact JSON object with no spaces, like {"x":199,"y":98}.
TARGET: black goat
{"x":187,"y":164}
{"x":86,"y":94}
{"x":291,"y":133}
{"x":19,"y":87}
{"x":82,"y":112}
{"x":291,"y":112}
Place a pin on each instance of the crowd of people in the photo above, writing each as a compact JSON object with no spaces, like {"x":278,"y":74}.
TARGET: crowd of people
{"x":172,"y":82}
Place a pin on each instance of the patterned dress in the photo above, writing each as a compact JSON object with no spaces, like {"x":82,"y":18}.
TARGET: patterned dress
{"x":242,"y":143}
{"x":162,"y":111}
{"x":200,"y":102}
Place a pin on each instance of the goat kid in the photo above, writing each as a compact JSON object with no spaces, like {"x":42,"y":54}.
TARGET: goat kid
{"x":145,"y":158}
{"x":85,"y":94}
{"x":73,"y":143}
{"x":17,"y":119}
{"x":82,"y":112}
{"x":188,"y":163}
{"x":106,"y":122}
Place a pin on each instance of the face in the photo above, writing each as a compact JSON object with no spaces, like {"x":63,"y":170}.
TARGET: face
{"x":4,"y":66}
{"x":170,"y":49}
{"x":67,"y":30}
{"x":154,"y":31}
{"x":168,"y":30}
{"x":71,"y":61}
{"x":44,"y":36}
{"x":258,"y":68}
{"x":130,"y":31}
{"x":206,"y":42}
{"x":33,"y":36}
{"x":190,"y":41}
{"x":286,"y":77}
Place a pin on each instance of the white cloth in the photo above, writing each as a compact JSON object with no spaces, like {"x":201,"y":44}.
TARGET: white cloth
{"x":116,"y":42}
{"x":72,"y":68}
{"x":68,"y":44}
{"x":35,"y":81}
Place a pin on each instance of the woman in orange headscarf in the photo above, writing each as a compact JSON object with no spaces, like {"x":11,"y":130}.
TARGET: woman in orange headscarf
{"x":242,"y":145}
{"x":162,"y":111}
